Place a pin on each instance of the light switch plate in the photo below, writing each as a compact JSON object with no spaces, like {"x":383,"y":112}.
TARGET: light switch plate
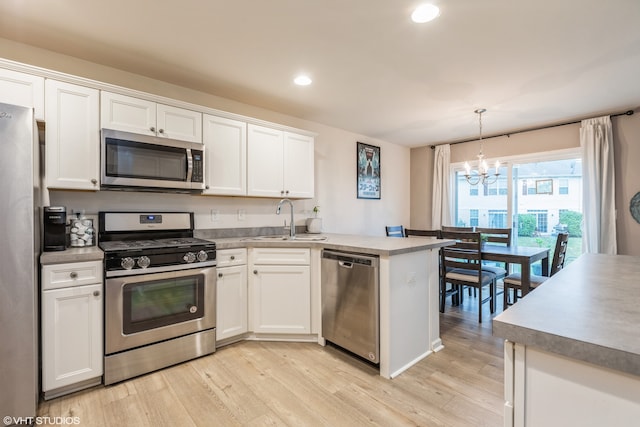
{"x":241,"y":214}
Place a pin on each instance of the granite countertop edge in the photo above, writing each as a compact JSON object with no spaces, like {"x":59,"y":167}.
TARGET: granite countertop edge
{"x":611,"y":358}
{"x":91,"y":253}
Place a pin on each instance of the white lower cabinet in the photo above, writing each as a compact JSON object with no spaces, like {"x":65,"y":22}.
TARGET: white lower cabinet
{"x":548,"y":389}
{"x":231,"y":294}
{"x":72,"y":319}
{"x":280,"y":288}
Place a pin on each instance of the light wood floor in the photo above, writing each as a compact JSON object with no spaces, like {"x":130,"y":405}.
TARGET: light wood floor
{"x":301,"y":384}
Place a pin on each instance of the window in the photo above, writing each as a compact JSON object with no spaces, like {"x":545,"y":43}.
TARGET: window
{"x":541,"y":219}
{"x":497,"y":218}
{"x":473,"y":217}
{"x":513,"y":201}
{"x":563,"y":186}
{"x":473,"y":202}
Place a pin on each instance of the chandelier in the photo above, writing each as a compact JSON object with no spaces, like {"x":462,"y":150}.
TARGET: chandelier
{"x":483,"y":174}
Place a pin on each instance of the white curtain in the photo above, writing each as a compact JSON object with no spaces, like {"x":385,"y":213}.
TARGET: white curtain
{"x":598,"y":201}
{"x":441,"y":203}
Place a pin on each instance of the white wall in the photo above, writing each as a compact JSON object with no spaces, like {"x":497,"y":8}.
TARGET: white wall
{"x":335,"y":167}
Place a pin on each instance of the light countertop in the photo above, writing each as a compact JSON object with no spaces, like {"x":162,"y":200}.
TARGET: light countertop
{"x":383,"y":246}
{"x":90,"y":253}
{"x":589,"y":311}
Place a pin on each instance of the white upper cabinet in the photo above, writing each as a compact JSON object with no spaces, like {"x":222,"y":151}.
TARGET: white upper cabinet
{"x":129,"y":114}
{"x":72,"y":159}
{"x":225,"y":156}
{"x":279,"y":164}
{"x":22,"y":89}
{"x":298,"y":165}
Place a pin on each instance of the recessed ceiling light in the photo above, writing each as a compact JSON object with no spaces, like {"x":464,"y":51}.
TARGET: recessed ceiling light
{"x":302,"y":80}
{"x":425,"y":13}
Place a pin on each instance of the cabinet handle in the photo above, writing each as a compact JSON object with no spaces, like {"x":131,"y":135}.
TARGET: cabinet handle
{"x":255,"y":271}
{"x":286,"y":192}
{"x":281,"y":192}
{"x":94,"y":181}
{"x":232,"y":257}
{"x":206,"y":187}
{"x":73,"y":275}
{"x":152,"y":129}
{"x":96,"y":293}
{"x":160,"y":130}
{"x":219,"y":274}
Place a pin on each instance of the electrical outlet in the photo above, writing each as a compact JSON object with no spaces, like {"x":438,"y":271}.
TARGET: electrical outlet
{"x":241,"y":214}
{"x":215,"y":215}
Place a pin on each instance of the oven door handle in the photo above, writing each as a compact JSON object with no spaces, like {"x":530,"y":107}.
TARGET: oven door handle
{"x":189,"y":164}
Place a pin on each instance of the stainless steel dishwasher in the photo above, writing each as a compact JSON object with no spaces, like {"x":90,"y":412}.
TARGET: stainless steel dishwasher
{"x":350,"y":302}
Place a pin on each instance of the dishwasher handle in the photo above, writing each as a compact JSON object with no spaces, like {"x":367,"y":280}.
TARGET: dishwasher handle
{"x":345,"y":264}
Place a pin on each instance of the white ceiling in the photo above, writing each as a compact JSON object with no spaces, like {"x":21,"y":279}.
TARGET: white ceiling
{"x":376,"y":73}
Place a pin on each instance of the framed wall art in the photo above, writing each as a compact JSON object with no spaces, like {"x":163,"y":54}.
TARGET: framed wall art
{"x":368,"y":159}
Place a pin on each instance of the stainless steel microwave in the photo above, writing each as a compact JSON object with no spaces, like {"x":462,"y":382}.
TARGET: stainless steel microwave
{"x":131,"y":161}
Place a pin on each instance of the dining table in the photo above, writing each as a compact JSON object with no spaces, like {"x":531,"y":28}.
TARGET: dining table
{"x":523,"y":255}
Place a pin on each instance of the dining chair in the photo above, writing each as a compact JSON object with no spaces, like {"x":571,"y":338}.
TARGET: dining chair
{"x":422,"y":233}
{"x":496,"y":236}
{"x":394,"y":230}
{"x":462,"y":266}
{"x":514,"y":281}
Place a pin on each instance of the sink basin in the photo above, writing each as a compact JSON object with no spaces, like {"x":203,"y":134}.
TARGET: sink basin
{"x":279,"y":237}
{"x":275,"y":237}
{"x":311,"y":238}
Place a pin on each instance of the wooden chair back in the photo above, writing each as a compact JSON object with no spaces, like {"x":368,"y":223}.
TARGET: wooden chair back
{"x":560,"y":253}
{"x":496,"y":235}
{"x":451,"y":228}
{"x":394,"y":230}
{"x":465,"y":253}
{"x":423,"y":233}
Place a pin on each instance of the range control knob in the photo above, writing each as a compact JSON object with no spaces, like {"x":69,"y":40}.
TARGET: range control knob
{"x":189,"y":257}
{"x":202,"y":256}
{"x":127,"y":263}
{"x":144,"y":261}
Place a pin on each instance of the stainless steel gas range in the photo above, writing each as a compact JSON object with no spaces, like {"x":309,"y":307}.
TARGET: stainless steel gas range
{"x":160,"y":288}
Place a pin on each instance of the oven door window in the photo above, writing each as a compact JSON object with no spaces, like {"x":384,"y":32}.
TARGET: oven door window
{"x":127,"y":159}
{"x":157,"y":303}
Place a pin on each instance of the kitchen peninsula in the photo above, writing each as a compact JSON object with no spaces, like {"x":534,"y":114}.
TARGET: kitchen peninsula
{"x":572,"y":355}
{"x":409,"y":287}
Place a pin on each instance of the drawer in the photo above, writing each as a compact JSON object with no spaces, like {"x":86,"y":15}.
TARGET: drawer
{"x":56,"y":276}
{"x":229,"y":257}
{"x":281,"y":256}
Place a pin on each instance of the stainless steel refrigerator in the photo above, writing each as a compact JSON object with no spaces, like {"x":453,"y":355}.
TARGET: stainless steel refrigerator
{"x":19,"y":251}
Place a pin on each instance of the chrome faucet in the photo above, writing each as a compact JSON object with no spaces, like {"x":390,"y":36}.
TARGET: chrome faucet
{"x":292,"y":226}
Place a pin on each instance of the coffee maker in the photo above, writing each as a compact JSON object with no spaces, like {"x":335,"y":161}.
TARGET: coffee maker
{"x":54,"y":226}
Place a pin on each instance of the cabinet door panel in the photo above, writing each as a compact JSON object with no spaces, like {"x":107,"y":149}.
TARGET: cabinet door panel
{"x":225,"y":156}
{"x":265,"y":161}
{"x":72,"y":137}
{"x":121,"y":112}
{"x":298,"y":165}
{"x":281,"y":299}
{"x":178,"y":123}
{"x":23,"y":89}
{"x":231,"y":313}
{"x":72,"y":335}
